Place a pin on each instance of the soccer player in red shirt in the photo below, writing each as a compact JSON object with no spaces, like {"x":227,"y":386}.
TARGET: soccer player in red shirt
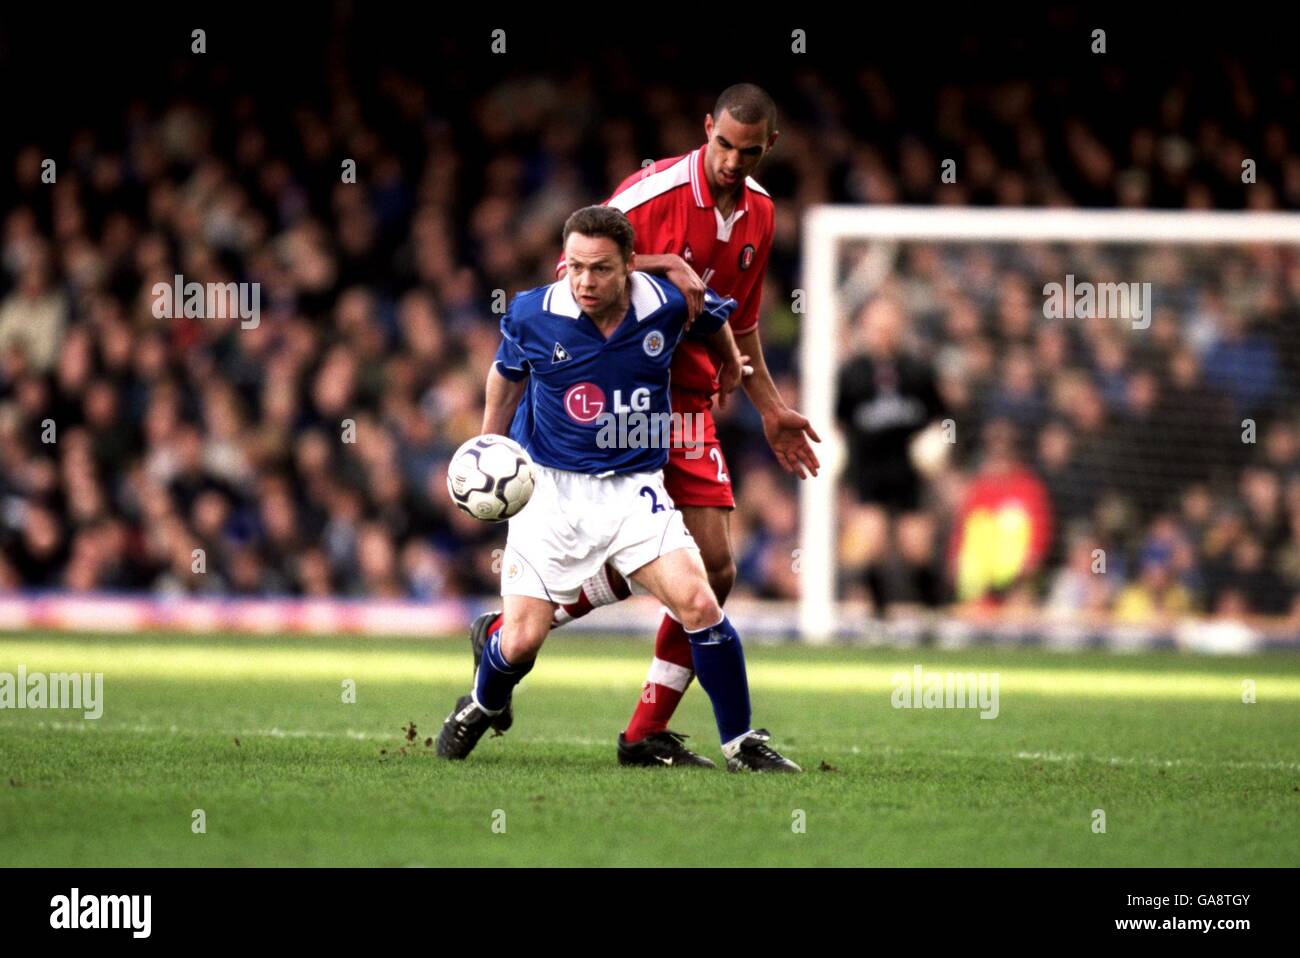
{"x":700,"y":220}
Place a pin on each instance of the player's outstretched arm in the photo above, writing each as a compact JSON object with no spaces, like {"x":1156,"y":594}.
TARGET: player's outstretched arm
{"x":502,"y":398}
{"x":787,"y":430}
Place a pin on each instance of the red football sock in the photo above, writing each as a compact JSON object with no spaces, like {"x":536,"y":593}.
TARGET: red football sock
{"x":608,"y":591}
{"x":574,"y":610}
{"x":563,"y":614}
{"x":604,"y":588}
{"x":670,"y":674}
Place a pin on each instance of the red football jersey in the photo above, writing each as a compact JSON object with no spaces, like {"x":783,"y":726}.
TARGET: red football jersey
{"x":671,"y":209}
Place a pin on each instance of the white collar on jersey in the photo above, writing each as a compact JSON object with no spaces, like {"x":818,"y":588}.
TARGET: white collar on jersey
{"x":647,"y":298}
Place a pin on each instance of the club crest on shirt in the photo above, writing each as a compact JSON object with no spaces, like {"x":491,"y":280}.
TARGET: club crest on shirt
{"x":653,"y":344}
{"x":747,"y":256}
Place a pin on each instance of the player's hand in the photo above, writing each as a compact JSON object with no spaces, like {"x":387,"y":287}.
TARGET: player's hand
{"x":680,"y":274}
{"x":730,"y":373}
{"x":788,"y":432}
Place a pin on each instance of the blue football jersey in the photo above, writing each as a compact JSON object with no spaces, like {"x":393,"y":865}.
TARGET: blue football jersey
{"x":595,"y":405}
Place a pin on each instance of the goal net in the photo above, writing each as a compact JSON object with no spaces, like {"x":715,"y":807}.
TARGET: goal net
{"x":1077,"y":425}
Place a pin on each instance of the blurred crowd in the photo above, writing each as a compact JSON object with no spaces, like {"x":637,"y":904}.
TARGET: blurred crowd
{"x":1097,"y":466}
{"x":306,"y":455}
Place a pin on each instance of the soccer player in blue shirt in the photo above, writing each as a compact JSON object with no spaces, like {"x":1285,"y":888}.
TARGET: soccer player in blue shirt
{"x":589,"y":357}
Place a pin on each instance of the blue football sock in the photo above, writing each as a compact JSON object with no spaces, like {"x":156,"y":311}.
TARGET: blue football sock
{"x":497,"y":678}
{"x":720,"y":667}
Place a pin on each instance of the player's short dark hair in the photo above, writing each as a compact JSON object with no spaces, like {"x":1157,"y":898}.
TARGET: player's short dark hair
{"x":747,"y":103}
{"x":602,"y":221}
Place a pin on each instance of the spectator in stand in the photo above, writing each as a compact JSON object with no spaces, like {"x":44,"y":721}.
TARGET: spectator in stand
{"x":1004,"y":526}
{"x":34,"y":314}
{"x":1157,"y":598}
{"x":1082,"y":588}
{"x":1243,"y":365}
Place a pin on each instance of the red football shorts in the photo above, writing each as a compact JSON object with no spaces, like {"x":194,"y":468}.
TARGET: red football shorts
{"x":696,"y":473}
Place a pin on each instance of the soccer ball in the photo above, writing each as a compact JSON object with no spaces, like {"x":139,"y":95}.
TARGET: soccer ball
{"x":490,"y":478}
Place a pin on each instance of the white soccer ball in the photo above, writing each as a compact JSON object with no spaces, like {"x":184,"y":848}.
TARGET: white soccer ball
{"x":491,"y":478}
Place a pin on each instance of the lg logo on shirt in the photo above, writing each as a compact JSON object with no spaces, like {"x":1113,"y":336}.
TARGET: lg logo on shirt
{"x":585,"y":402}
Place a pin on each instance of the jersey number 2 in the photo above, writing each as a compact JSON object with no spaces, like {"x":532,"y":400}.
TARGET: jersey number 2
{"x":716,"y":456}
{"x":655,"y":504}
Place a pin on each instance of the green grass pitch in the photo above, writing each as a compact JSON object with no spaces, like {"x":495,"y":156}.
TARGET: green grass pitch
{"x":255,"y":732}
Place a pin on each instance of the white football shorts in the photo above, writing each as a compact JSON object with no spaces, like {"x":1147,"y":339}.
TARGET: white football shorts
{"x":575,"y":523}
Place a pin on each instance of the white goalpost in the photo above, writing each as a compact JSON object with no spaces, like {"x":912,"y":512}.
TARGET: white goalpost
{"x":822,"y":347}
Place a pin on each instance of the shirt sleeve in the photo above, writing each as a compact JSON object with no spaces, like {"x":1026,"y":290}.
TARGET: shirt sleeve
{"x":511,"y":360}
{"x":716,"y":310}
